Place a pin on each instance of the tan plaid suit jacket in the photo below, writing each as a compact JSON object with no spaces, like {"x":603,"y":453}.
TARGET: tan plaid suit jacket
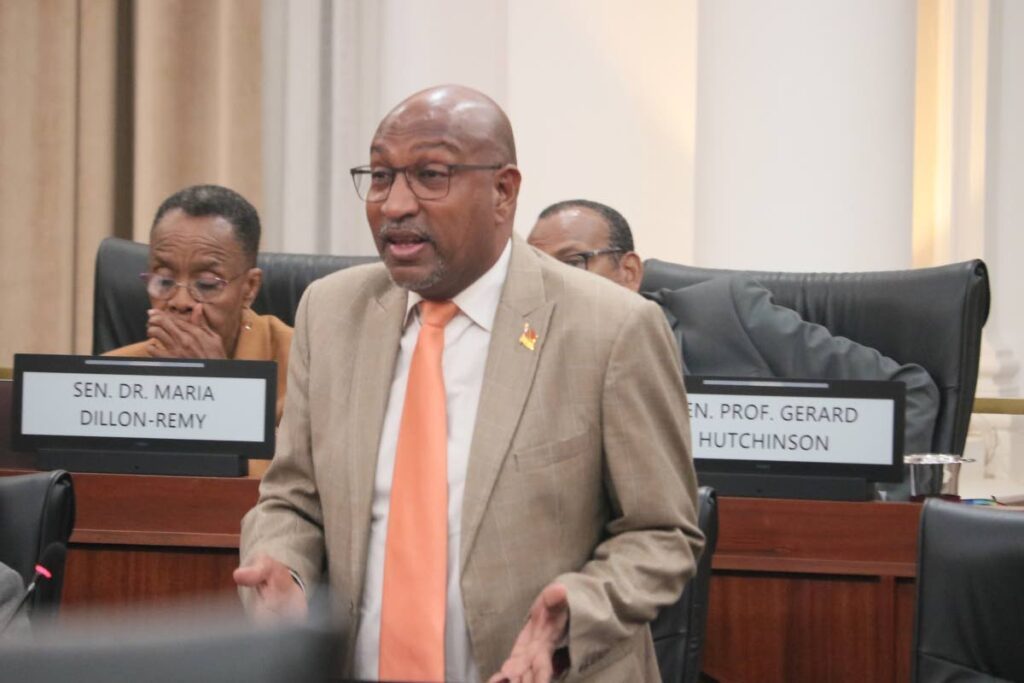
{"x":579,"y":467}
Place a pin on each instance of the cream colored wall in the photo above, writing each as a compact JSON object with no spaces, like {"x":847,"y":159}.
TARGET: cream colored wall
{"x":1002,"y":437}
{"x":600,"y":93}
{"x":1004,"y":189}
{"x":805,"y":115}
{"x":602,"y":97}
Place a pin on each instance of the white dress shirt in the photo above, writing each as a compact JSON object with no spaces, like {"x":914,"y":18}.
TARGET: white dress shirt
{"x":466,"y":340}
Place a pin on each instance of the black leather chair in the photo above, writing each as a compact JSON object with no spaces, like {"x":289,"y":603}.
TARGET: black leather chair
{"x":970,"y":604}
{"x":679,"y":629}
{"x":38,"y":513}
{"x":929,"y":316}
{"x":120,"y":301}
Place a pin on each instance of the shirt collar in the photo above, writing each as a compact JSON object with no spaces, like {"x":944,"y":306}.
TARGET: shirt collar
{"x":479,"y":301}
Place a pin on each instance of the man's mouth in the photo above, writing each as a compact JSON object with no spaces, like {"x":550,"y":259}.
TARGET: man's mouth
{"x":404,"y":244}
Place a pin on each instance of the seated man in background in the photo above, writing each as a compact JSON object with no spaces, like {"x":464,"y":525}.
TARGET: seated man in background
{"x":729,"y":325}
{"x":202,"y":280}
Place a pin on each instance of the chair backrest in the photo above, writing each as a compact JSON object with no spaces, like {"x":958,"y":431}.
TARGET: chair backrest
{"x":970,"y":605}
{"x":38,"y":512}
{"x":929,"y":316}
{"x":679,"y":629}
{"x":120,"y":301}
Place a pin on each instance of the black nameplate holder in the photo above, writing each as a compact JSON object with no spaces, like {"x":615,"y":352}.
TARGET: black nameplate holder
{"x":144,"y":416}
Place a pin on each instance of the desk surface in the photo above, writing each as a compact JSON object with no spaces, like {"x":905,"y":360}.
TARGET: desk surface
{"x":765,"y":534}
{"x":817,"y":537}
{"x":128,"y":509}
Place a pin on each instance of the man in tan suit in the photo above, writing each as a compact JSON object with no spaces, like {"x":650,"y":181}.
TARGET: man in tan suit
{"x":571,"y":514}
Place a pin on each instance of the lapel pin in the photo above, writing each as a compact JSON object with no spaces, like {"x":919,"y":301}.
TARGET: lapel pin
{"x":529,"y":337}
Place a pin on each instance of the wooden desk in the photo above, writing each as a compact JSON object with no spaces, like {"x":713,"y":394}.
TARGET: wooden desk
{"x":141,"y":539}
{"x":803,"y":591}
{"x":812,"y":591}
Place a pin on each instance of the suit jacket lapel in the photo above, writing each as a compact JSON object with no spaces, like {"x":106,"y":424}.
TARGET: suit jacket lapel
{"x":507,"y":380}
{"x":367,"y":397}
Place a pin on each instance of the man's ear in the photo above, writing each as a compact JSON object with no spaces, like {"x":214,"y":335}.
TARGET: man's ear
{"x":631,"y":270}
{"x":251,"y":285}
{"x":506,"y":192}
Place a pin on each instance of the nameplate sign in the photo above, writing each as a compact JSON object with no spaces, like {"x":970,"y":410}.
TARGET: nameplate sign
{"x":82,"y":401}
{"x":799,"y":421}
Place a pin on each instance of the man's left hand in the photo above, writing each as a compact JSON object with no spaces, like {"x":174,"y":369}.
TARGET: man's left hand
{"x":532,"y":655}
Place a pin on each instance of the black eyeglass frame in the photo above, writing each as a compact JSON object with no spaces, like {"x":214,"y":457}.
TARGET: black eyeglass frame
{"x":367,"y":172}
{"x":585,"y":256}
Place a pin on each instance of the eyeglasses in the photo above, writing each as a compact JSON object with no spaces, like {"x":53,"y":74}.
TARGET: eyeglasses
{"x":426,"y":181}
{"x":582,"y":259}
{"x":202,"y":289}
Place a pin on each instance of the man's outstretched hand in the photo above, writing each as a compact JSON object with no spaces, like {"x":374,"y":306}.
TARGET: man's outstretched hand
{"x":531,"y":660}
{"x":278,"y":596}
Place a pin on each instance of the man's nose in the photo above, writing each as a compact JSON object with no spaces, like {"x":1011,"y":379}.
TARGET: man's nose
{"x":401,"y":201}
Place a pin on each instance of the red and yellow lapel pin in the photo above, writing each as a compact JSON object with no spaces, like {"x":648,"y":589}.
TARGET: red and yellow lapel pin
{"x":529,"y":337}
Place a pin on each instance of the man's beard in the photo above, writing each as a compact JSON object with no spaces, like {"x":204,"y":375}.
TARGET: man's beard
{"x":432,"y":278}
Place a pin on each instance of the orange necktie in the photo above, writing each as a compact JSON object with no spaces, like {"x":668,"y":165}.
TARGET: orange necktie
{"x":416,"y":552}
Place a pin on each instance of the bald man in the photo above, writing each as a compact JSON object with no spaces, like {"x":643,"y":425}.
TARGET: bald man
{"x":730,"y":326}
{"x":567,"y":493}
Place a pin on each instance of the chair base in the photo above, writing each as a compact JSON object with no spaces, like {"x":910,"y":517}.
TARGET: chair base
{"x":143,"y":462}
{"x":786,"y":486}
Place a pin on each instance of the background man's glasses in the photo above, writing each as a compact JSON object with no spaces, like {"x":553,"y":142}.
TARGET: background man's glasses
{"x":426,"y":181}
{"x":203,"y":289}
{"x":582,"y":259}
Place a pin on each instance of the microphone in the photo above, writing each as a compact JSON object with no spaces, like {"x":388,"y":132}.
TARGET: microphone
{"x":53,"y":556}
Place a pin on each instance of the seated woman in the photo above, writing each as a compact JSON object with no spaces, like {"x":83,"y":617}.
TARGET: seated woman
{"x":202,"y":279}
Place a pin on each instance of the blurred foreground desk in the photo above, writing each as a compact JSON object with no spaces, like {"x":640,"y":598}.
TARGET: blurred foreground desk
{"x":812,"y":591}
{"x":803,"y":591}
{"x":140,"y":539}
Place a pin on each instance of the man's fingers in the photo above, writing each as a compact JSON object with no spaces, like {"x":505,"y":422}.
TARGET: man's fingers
{"x":256,"y":572}
{"x":531,"y":658}
{"x":555,"y":596}
{"x":542,"y":670}
{"x":250,"y":576}
{"x":278,"y":594}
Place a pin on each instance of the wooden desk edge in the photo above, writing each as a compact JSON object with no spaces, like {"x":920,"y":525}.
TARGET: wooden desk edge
{"x":788,"y":565}
{"x":172,"y":539}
